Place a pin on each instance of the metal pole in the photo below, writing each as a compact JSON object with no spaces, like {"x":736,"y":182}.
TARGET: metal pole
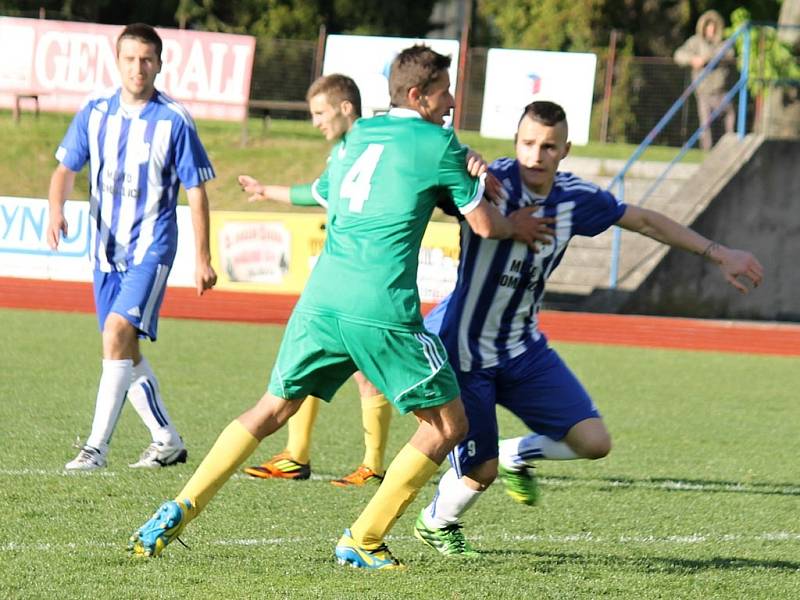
{"x":319,"y":54}
{"x":612,"y":54}
{"x":616,"y":242}
{"x":461,"y":78}
{"x":742,"y":119}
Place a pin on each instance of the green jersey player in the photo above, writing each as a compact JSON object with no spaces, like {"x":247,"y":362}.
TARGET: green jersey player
{"x":360,"y":309}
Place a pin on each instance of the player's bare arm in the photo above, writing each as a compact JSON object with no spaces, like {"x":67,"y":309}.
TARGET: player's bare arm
{"x":260,"y":192}
{"x":732,"y":262}
{"x":205,"y":277}
{"x":61,"y":183}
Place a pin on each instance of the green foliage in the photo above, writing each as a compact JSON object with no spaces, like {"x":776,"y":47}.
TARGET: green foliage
{"x":770,"y":58}
{"x":620,"y":114}
{"x":367,"y":17}
{"x":559,"y":25}
{"x":698,"y":499}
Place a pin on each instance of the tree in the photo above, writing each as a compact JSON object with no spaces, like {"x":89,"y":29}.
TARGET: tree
{"x":657,"y":28}
{"x":784,"y":107}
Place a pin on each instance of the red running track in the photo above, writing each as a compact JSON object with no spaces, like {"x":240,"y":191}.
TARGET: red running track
{"x":628,"y":330}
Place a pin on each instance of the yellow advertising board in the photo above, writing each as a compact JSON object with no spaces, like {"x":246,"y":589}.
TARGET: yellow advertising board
{"x":275,"y":252}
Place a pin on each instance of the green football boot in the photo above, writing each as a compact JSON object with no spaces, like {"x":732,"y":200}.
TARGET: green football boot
{"x":520,"y":484}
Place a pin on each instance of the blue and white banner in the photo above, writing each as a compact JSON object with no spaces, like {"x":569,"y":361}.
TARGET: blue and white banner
{"x":24,"y":251}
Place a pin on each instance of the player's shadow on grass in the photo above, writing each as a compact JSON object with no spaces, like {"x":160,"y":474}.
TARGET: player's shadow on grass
{"x":548,"y":562}
{"x":676,"y":484}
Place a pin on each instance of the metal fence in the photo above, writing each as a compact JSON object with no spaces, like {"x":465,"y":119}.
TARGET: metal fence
{"x":283,"y":70}
{"x":642,"y":90}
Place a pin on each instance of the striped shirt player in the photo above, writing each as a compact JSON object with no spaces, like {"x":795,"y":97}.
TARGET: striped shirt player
{"x":138,"y":159}
{"x":489,"y":324}
{"x":490,"y":328}
{"x":140,"y":146}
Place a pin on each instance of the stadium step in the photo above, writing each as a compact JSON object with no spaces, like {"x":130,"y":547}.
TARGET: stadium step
{"x":583,"y":279}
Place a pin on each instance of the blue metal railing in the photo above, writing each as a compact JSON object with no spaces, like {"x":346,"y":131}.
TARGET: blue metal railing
{"x":739,"y":87}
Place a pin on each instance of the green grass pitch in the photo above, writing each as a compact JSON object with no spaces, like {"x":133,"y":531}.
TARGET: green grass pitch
{"x":699,"y":498}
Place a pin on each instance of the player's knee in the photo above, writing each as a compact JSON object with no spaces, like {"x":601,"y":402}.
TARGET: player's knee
{"x":483,"y":475}
{"x":598,"y":446}
{"x":365,"y":387}
{"x":119,"y":337}
{"x":455,"y":428}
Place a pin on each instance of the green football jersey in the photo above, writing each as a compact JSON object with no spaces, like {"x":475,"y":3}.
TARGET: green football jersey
{"x":382,"y":183}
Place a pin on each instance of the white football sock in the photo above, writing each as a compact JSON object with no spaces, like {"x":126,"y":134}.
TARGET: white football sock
{"x":516,"y":452}
{"x":145,"y":396}
{"x":114,"y":381}
{"x":453,"y":498}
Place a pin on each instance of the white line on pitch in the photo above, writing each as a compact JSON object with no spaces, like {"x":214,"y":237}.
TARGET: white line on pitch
{"x":678,"y":540}
{"x":667,"y":484}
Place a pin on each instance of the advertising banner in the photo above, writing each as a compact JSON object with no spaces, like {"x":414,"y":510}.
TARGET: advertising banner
{"x":251,"y":252}
{"x":515,"y":78}
{"x":265,"y":252}
{"x":24,"y":251}
{"x":368,"y":59}
{"x":275,"y":253}
{"x":64,"y":63}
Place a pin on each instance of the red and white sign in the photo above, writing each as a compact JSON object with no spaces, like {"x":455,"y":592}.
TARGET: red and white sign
{"x":258,"y":252}
{"x":64,"y":63}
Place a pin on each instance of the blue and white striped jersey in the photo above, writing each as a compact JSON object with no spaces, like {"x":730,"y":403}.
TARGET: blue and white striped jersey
{"x":137,"y":162}
{"x":492,"y":314}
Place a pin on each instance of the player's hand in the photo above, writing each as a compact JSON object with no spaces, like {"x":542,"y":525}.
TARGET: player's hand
{"x":698,"y":62}
{"x":205,"y":278}
{"x":56,"y":228}
{"x":736,"y":264}
{"x":476,"y":166}
{"x":251,"y":186}
{"x":531,"y":230}
{"x":494,"y":190}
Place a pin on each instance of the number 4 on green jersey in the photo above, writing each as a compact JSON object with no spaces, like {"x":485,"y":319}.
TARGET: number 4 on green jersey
{"x":358,"y":180}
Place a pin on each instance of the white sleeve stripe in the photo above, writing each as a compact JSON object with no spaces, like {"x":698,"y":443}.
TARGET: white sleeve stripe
{"x":476,"y":199}
{"x":584,"y":187}
{"x":317,"y":196}
{"x":181,"y":111}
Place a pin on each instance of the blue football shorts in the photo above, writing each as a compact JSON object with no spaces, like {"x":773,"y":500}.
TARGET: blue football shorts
{"x":135,"y":294}
{"x":433,"y":320}
{"x":536,"y":386}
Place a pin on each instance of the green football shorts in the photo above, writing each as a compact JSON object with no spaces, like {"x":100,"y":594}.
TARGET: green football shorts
{"x":319,"y":353}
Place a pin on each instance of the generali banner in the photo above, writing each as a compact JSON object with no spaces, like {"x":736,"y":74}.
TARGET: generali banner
{"x":64,"y":63}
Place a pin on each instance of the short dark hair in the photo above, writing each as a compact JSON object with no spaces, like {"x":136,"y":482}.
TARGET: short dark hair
{"x":418,"y":66}
{"x":144,"y":33}
{"x":337,"y":88}
{"x":544,"y":112}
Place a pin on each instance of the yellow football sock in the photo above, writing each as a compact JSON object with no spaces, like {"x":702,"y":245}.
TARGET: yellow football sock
{"x":376,"y":415}
{"x":300,"y":426}
{"x":231,"y":449}
{"x":405,"y":476}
